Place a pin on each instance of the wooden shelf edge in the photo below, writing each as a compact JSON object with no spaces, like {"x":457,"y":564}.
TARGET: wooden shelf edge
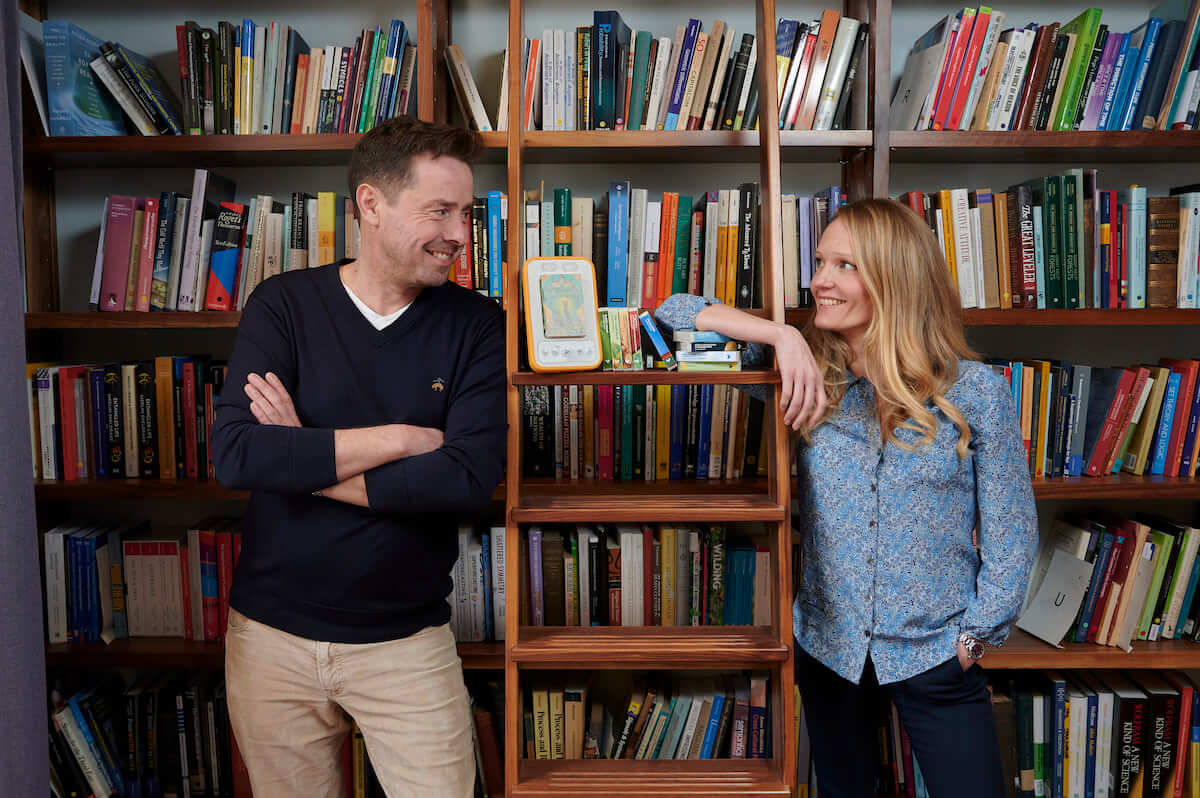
{"x":147,"y":489}
{"x":648,"y":647}
{"x":688,"y":777}
{"x":172,"y":652}
{"x":177,"y":320}
{"x":651,"y":377}
{"x":1025,"y":652}
{"x":1023,"y":317}
{"x":1117,"y":486}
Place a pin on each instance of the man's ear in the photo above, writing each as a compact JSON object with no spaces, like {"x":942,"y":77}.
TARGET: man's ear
{"x":368,"y":199}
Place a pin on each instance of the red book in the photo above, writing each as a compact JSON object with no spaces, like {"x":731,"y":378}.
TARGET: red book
{"x":224,"y":578}
{"x":463,"y":273}
{"x":1187,"y":370}
{"x":237,"y":549}
{"x":210,"y":592}
{"x":186,"y":584}
{"x":1108,"y":432}
{"x":967,"y":74}
{"x":118,"y":239}
{"x":69,"y":435}
{"x":614,"y":585}
{"x":189,"y":419}
{"x":1113,"y":251}
{"x":1179,"y":763}
{"x":950,"y":75}
{"x":146,"y":258}
{"x":1123,"y":257}
{"x":489,"y":751}
{"x":1135,"y":393}
{"x":1120,"y":543}
{"x":810,"y":45}
{"x":604,"y":439}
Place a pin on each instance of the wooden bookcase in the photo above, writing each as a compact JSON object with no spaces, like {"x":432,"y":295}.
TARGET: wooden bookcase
{"x":866,"y":157}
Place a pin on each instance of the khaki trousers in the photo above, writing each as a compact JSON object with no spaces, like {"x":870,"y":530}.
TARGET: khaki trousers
{"x":289,"y":698}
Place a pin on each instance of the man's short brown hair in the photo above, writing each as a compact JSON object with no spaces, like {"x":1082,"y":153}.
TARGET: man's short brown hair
{"x":383,"y":155}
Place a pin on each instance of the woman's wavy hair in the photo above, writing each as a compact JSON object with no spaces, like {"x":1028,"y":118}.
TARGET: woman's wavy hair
{"x":915,"y":338}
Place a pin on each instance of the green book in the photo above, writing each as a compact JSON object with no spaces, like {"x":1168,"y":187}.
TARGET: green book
{"x":606,"y":364}
{"x":1084,"y":27}
{"x":378,"y":54}
{"x":628,"y":450}
{"x":1083,"y":241}
{"x":562,"y":221}
{"x":1052,"y":240}
{"x":1162,"y":543}
{"x":641,"y":74}
{"x":683,"y":246}
{"x":370,"y":85}
{"x":716,"y":575}
{"x":1069,"y":224}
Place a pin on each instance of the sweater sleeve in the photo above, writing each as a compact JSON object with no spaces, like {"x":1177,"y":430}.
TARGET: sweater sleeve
{"x":679,"y":312}
{"x":463,"y":473}
{"x":248,"y":455}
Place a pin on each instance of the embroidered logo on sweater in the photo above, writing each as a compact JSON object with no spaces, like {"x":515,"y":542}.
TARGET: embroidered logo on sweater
{"x":438,"y":385}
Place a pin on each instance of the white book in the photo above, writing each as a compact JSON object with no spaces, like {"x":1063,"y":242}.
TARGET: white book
{"x":661,"y":59}
{"x":962,"y":247}
{"x":631,"y":576}
{"x":255,"y":99}
{"x":659,"y":114}
{"x":1189,"y":244}
{"x":985,"y":59}
{"x":56,"y":584}
{"x":191,"y":246}
{"x":560,"y":80}
{"x":793,"y":75}
{"x":312,"y":90}
{"x":533,"y":232}
{"x":498,"y":553}
{"x":548,"y":79}
{"x":751,"y":74}
{"x":922,"y":66}
{"x":280,"y":79}
{"x":502,"y":103}
{"x":638,"y":245}
{"x":202,"y":267}
{"x":98,"y":268}
{"x":791,"y":252}
{"x":581,"y":226}
{"x":1014,"y":39}
{"x":85,"y":754}
{"x":266,"y":98}
{"x":475,"y":590}
{"x":1012,"y":90}
{"x":123,"y":96}
{"x":977,"y":256}
{"x":461,"y":74}
{"x":583,"y":537}
{"x":835,"y":73}
{"x":570,"y":80}
{"x":314,"y":246}
{"x":460,"y":610}
{"x":651,"y":241}
{"x":692,"y":722}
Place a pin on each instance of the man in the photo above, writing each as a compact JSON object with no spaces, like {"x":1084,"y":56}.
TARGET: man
{"x":364,"y":407}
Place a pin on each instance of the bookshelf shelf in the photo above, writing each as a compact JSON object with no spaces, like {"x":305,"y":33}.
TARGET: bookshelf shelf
{"x":1025,"y":146}
{"x":647,"y":647}
{"x":208,"y":320}
{"x":1024,"y":651}
{"x":691,"y":777}
{"x":1024,"y":317}
{"x":684,"y":146}
{"x":104,"y":152}
{"x":1117,"y":486}
{"x":674,"y":501}
{"x":150,"y":489}
{"x":174,"y":652}
{"x":653,"y":377}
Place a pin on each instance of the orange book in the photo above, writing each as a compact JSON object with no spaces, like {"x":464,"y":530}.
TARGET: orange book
{"x":164,"y":395}
{"x":298,"y":98}
{"x":145,"y":273}
{"x":666,"y":246}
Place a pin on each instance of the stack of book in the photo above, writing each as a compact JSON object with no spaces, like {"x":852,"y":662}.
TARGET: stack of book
{"x":969,"y":72}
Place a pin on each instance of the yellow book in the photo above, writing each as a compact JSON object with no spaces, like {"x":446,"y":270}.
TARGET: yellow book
{"x":574,"y":709}
{"x":731,"y":244}
{"x":557,"y":719}
{"x":662,"y":432}
{"x":237,"y":87}
{"x":326,"y":234}
{"x":164,"y":373}
{"x":716,"y":460}
{"x":1042,"y":422}
{"x":1135,"y":458}
{"x":1194,"y":768}
{"x":1027,"y":408}
{"x":666,"y":547}
{"x":541,"y":723}
{"x":948,"y":231}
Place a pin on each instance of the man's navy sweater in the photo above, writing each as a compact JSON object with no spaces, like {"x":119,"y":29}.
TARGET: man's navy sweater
{"x":323,"y":569}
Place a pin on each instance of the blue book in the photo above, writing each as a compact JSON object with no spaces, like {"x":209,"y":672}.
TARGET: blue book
{"x":609,"y":33}
{"x":1039,"y":257}
{"x":386,"y":80}
{"x":1089,"y":602}
{"x":680,"y":79}
{"x":1146,"y":35}
{"x":1110,"y":94}
{"x":116,"y":564}
{"x":485,"y":565}
{"x":162,"y":250}
{"x":1162,"y":438}
{"x":93,"y":746}
{"x":95,"y":384}
{"x":1124,"y":82}
{"x":394,"y":88}
{"x":1056,"y":713}
{"x":618,"y":241}
{"x":678,"y":429}
{"x":76,"y":102}
{"x":704,"y":441}
{"x":153,"y":85}
{"x":495,"y":253}
{"x":714,"y":720}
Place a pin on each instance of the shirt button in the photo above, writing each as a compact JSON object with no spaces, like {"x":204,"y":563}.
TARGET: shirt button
{"x":872,"y":523}
{"x":873,"y":487}
{"x":866,"y":632}
{"x":870,"y":561}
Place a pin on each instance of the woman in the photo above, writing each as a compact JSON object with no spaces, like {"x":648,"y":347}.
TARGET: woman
{"x":916,"y":508}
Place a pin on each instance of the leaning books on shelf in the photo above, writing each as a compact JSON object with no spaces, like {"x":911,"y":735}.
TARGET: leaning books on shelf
{"x":150,"y":419}
{"x":642,"y":575}
{"x":1063,"y":241}
{"x":969,"y":72}
{"x":106,"y":582}
{"x":642,"y":432}
{"x":477,"y":608}
{"x":206,"y":251}
{"x":237,"y":79}
{"x":1079,"y":420}
{"x":1107,"y":579}
{"x":817,"y":64}
{"x":648,"y":716}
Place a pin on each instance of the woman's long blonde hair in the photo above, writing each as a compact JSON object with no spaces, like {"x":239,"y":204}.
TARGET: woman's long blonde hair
{"x":915,"y":338}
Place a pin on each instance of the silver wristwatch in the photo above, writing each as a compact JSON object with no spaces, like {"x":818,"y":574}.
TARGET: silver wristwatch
{"x":974,"y":646}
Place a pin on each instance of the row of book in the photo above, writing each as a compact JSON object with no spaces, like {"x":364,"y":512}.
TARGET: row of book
{"x":1062,"y":241}
{"x":968,"y":72}
{"x":1080,"y":420}
{"x":650,"y":716}
{"x":149,"y":419}
{"x":816,"y":66}
{"x":106,"y":582}
{"x":640,"y":432}
{"x":237,"y":79}
{"x":640,"y":575}
{"x":206,"y":251}
{"x":621,"y":335}
{"x":161,"y":734}
{"x":1116,"y":580}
